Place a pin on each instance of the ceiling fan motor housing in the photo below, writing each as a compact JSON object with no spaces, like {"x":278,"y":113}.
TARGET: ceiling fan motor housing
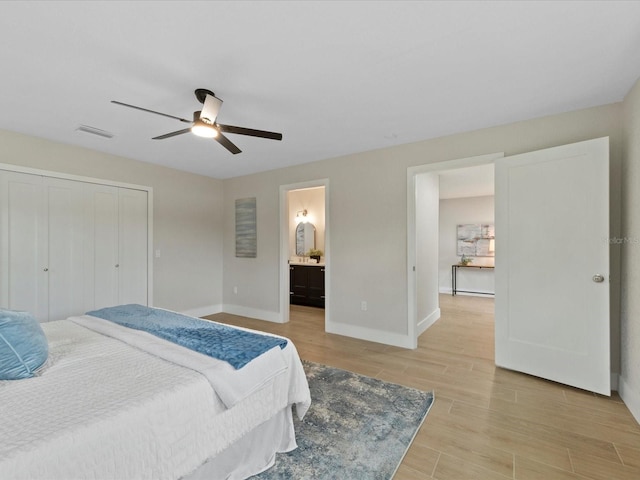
{"x":201,"y":94}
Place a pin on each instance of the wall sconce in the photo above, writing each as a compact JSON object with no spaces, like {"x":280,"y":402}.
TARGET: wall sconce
{"x":301,"y":216}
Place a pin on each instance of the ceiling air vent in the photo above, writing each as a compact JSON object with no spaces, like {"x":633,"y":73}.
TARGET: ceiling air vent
{"x":94,"y":131}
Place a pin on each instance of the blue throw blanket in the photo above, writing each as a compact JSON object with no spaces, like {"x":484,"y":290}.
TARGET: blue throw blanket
{"x":236,"y":347}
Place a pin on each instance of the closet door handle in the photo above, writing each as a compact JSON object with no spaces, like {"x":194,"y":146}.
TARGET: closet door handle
{"x":117,"y":265}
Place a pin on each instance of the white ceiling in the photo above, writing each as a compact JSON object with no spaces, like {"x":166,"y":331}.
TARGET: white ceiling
{"x":334,"y":77}
{"x":467,"y":182}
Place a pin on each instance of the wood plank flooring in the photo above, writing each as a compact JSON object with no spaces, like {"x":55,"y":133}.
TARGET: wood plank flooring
{"x":486,"y":423}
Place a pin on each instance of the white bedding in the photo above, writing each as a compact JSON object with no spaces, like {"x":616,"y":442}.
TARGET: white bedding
{"x":104,"y":409}
{"x":230,"y":384}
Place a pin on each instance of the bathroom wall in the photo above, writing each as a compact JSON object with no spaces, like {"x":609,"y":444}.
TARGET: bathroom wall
{"x":311,"y":199}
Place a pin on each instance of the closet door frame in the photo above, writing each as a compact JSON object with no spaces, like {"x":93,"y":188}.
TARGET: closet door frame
{"x":101,"y":181}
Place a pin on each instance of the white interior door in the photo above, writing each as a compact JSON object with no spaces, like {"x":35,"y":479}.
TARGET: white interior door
{"x":552,"y":264}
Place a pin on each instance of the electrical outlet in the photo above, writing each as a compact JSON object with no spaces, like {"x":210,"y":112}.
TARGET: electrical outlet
{"x":363,"y":306}
{"x":235,"y":290}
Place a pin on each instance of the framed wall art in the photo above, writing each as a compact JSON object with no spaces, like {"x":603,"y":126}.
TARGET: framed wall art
{"x":476,"y":240}
{"x":246,"y":231}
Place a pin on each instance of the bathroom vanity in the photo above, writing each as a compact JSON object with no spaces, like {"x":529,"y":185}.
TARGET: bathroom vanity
{"x":306,"y":284}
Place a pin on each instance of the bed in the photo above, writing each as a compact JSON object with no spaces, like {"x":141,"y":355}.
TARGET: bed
{"x":113,"y":402}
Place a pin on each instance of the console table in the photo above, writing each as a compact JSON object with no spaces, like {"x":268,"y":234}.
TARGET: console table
{"x":454,"y":278}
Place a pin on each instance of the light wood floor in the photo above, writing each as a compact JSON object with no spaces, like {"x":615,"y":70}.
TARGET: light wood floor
{"x":486,"y":423}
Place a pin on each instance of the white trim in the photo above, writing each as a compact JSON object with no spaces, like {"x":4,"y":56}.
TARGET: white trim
{"x":371,"y":335}
{"x":284,"y":247}
{"x":412,"y":295}
{"x":203,"y":311}
{"x":428,"y":321}
{"x":630,"y":397}
{"x":412,"y":301}
{"x":243,"y":311}
{"x":67,"y":176}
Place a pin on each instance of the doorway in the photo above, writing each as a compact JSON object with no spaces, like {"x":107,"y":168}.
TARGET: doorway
{"x":304,"y":254}
{"x":541,"y":208}
{"x":423,"y":198}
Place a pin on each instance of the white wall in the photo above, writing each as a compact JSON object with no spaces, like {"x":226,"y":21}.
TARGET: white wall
{"x":427,"y":198}
{"x":187,"y":216}
{"x":459,"y":211}
{"x":311,"y":199}
{"x":368,"y":204}
{"x":629,"y":244}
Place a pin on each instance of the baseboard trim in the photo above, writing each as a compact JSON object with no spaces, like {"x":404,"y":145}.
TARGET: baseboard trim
{"x":364,"y":333}
{"x":429,"y":320}
{"x":448,"y":291}
{"x":630,"y":397}
{"x":258,"y":314}
{"x":203,"y":311}
{"x":615,"y":381}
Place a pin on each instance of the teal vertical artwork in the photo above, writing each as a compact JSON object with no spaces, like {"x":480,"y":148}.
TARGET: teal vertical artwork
{"x":246,"y":231}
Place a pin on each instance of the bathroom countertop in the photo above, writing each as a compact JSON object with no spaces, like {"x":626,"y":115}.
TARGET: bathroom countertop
{"x":307,"y":264}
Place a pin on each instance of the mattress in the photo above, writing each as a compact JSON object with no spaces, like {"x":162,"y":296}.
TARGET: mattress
{"x":102,"y":408}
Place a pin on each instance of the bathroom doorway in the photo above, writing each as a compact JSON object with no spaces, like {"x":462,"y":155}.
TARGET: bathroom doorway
{"x":304,"y":256}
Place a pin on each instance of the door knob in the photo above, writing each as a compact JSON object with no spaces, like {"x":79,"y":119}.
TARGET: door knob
{"x":45,"y":269}
{"x":598,"y":278}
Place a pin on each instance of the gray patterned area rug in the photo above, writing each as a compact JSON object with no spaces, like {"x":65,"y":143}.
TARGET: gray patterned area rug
{"x":357,"y":428}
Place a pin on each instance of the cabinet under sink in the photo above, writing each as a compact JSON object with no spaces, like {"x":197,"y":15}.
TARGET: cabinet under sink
{"x":306,"y":285}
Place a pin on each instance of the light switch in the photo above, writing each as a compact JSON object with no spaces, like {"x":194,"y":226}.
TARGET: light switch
{"x":157,"y":253}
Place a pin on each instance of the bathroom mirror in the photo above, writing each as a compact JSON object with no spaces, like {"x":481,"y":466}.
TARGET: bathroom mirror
{"x":305,"y":238}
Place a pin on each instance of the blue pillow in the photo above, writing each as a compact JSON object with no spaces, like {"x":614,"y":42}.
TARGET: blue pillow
{"x":23,"y":345}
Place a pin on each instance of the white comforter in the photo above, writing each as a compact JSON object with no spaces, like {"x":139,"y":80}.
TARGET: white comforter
{"x":230,"y":384}
{"x":104,"y":409}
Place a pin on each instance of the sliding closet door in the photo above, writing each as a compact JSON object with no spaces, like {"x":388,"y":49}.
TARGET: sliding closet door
{"x":68,"y":246}
{"x":66,"y":243}
{"x":117,"y":257}
{"x":102,"y":256}
{"x":132,"y":246}
{"x":23,"y":239}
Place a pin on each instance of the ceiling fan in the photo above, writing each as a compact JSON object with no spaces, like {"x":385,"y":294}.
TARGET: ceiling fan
{"x":204,"y":122}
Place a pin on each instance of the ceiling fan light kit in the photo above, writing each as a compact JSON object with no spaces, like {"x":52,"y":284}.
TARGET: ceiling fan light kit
{"x":202,"y":128}
{"x":204,"y":122}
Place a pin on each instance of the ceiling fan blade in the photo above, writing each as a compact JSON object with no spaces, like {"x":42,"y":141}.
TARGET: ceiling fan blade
{"x":150,"y":111}
{"x":249,"y":131}
{"x":172,"y":134}
{"x":226,"y":143}
{"x":210,"y":109}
